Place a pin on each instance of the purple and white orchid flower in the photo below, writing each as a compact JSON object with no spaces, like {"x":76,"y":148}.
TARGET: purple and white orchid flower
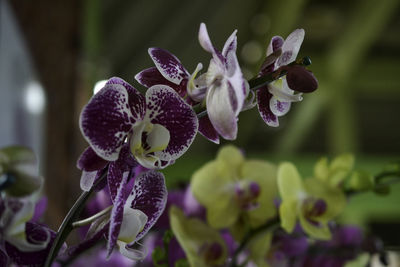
{"x":24,"y":241}
{"x":159,"y":127}
{"x":226,"y":87}
{"x":170,"y":71}
{"x":274,"y":100}
{"x":133,"y":213}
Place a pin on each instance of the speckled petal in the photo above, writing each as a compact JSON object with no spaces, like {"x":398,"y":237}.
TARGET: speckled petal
{"x":107,"y":119}
{"x":152,"y":76}
{"x":89,"y":161}
{"x":150,"y":196}
{"x":221,"y":106}
{"x":207,"y":129}
{"x":263,"y":100}
{"x":119,"y":170}
{"x":137,"y":102}
{"x":167,"y":108}
{"x":116,"y":215}
{"x":279,"y":108}
{"x":168,"y":65}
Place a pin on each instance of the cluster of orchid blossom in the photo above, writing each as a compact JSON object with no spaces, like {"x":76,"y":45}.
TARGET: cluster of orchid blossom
{"x":235,"y":212}
{"x":125,"y":129}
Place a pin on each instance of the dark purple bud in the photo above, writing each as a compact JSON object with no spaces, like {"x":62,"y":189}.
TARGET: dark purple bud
{"x":300,"y":79}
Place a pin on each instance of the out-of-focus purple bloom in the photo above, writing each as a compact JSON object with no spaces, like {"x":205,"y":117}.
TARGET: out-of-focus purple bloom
{"x":36,"y":234}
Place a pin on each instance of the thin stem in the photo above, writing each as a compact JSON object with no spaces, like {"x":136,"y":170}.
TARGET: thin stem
{"x":66,"y":226}
{"x":91,"y":218}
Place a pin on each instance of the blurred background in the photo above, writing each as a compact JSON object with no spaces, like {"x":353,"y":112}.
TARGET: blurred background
{"x":53,"y":52}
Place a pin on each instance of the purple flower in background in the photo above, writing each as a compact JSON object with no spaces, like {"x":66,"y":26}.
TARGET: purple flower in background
{"x":25,"y":242}
{"x":158,"y":127}
{"x":274,"y":100}
{"x":226,"y":88}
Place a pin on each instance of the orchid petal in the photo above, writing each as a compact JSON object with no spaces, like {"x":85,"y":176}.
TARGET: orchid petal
{"x":90,"y":161}
{"x":221,"y":103}
{"x":132,"y":223}
{"x":87,"y":180}
{"x":131,"y":253}
{"x":168,"y":65}
{"x":263,"y":100}
{"x":204,"y":39}
{"x":167,"y":108}
{"x":289,"y":182}
{"x":158,"y":138}
{"x":275,"y":44}
{"x":116,"y":215}
{"x":230,"y":44}
{"x":197,"y":87}
{"x":150,"y":196}
{"x":279,"y":108}
{"x":107,"y":119}
{"x":282,"y":92}
{"x":152,"y":76}
{"x":291,"y":48}
{"x":36,"y":233}
{"x":205,"y":42}
{"x":137,"y":102}
{"x":207,"y":130}
{"x":235,"y":78}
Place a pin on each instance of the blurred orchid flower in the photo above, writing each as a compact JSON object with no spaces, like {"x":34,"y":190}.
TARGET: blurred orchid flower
{"x":19,"y":173}
{"x":234,"y":191}
{"x":313,"y":202}
{"x":226,"y":88}
{"x":203,"y":245}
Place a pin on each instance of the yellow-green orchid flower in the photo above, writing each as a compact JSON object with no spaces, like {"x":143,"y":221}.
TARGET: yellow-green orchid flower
{"x":202,"y":244}
{"x":313,"y":201}
{"x":335,"y":172}
{"x":236,"y":193}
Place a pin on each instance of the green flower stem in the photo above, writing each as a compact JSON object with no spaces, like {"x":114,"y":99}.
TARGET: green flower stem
{"x":91,"y":218}
{"x":274,"y":222}
{"x":66,"y":226}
